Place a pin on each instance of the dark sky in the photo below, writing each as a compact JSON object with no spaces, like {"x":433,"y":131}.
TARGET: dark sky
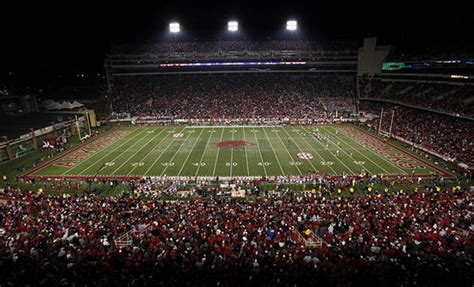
{"x":73,"y":37}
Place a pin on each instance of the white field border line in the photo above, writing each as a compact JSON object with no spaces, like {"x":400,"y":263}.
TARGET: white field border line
{"x":245,"y":150}
{"x":190,"y":152}
{"x":362,"y":154}
{"x":261,"y":156}
{"x":107,"y":154}
{"x":104,"y":150}
{"x":146,"y":154}
{"x":176,"y":152}
{"x":288,"y":151}
{"x":336,"y":157}
{"x":217,"y":155}
{"x":204,"y":152}
{"x":130,"y":157}
{"x":298,"y":146}
{"x":161,"y":154}
{"x":273,"y":150}
{"x":233,"y":126}
{"x":373,"y":152}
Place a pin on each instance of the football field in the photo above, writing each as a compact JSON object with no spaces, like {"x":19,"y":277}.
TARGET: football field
{"x":233,"y":151}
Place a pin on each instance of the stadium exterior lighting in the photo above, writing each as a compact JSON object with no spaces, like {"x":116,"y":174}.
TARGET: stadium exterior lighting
{"x":232,"y":26}
{"x":174,"y":27}
{"x":291,"y":25}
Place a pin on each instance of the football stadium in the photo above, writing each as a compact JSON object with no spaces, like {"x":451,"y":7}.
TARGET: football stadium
{"x":299,"y":148}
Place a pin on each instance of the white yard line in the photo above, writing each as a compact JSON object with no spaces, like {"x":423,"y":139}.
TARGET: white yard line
{"x":245,"y":150}
{"x":232,"y":153}
{"x":363,"y":155}
{"x":205,"y":149}
{"x":322,"y":149}
{"x":107,"y":154}
{"x":260,"y":151}
{"x":130,"y":157}
{"x":273,"y":150}
{"x":288,"y":151}
{"x":161,"y":154}
{"x":336,"y":157}
{"x":177,"y":151}
{"x":148,"y":151}
{"x":217,"y":156}
{"x":296,"y":143}
{"x":186,"y":161}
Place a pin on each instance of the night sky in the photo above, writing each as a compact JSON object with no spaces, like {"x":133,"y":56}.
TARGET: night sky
{"x":73,"y":38}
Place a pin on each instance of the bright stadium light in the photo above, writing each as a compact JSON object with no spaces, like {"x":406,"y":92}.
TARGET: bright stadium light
{"x":232,"y":26}
{"x":291,"y":25}
{"x":174,"y":27}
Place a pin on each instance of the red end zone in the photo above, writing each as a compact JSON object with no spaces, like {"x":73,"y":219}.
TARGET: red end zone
{"x":427,"y":163}
{"x":30,"y":174}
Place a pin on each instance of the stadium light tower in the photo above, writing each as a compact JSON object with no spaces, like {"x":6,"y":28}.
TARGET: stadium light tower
{"x":233,"y":26}
{"x":174,"y":27}
{"x":291,"y":25}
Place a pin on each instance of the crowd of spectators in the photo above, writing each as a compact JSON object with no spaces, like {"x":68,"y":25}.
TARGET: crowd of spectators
{"x":407,"y":238}
{"x":447,"y":135}
{"x":215,"y":47}
{"x":450,"y":98}
{"x":214,"y":96}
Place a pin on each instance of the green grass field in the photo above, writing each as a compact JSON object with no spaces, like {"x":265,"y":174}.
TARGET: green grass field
{"x":233,"y":151}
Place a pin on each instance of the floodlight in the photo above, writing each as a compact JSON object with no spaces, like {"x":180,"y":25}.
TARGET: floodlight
{"x":174,"y":27}
{"x":233,"y":26}
{"x":291,"y":25}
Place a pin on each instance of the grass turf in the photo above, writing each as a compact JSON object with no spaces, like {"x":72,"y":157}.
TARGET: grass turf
{"x":236,"y":151}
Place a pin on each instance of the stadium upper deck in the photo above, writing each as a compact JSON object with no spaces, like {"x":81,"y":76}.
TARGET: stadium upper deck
{"x":225,"y":49}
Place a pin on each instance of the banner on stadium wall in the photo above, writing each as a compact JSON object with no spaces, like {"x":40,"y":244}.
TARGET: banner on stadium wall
{"x":269,"y":121}
{"x":59,"y":125}
{"x":121,"y":120}
{"x":43,"y":131}
{"x":25,"y":136}
{"x":238,"y":192}
{"x":139,"y":121}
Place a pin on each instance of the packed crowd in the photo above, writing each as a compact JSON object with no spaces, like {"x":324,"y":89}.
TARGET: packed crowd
{"x":243,"y":45}
{"x":446,"y":135}
{"x":450,"y":98}
{"x":415,"y":238}
{"x":216,"y":96}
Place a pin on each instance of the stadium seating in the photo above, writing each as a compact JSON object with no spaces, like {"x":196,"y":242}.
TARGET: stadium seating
{"x":403,"y":238}
{"x":220,"y":48}
{"x":444,"y":97}
{"x":446,"y":135}
{"x":265,"y":95}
